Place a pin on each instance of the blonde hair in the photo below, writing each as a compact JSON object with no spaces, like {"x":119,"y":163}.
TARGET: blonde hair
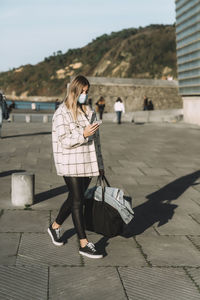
{"x":75,"y":89}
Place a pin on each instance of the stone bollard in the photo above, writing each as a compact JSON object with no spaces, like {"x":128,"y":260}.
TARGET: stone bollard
{"x":28,"y":118}
{"x":22,"y":188}
{"x":45,"y":118}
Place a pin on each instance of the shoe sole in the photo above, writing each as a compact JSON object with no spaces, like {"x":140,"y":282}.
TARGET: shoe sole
{"x":90,"y":255}
{"x":54,"y":242}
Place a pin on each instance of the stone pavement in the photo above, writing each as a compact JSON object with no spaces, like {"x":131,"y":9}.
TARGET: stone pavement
{"x":158,"y":256}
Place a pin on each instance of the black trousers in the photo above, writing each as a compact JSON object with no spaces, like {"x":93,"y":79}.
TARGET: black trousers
{"x":74,"y":203}
{"x":100,"y":114}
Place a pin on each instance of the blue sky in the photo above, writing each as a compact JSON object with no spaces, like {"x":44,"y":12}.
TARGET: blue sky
{"x":31,"y":30}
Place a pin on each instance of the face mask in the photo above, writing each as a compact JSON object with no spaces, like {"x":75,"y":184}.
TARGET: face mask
{"x":82,"y":98}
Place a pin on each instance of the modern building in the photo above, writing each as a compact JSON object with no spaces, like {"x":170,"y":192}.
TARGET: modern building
{"x":188,"y":57}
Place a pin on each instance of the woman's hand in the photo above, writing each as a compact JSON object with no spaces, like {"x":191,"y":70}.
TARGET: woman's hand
{"x":90,"y":129}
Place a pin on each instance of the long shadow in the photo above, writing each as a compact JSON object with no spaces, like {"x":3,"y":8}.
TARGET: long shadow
{"x":10,"y":172}
{"x":26,"y":134}
{"x":158,"y":208}
{"x":101,"y":245}
{"x":50,"y":194}
{"x":67,"y":235}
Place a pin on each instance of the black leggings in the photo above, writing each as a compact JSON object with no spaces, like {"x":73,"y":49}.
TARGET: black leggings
{"x":74,"y":203}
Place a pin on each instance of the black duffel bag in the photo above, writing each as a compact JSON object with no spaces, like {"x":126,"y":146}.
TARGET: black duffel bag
{"x":100,"y":217}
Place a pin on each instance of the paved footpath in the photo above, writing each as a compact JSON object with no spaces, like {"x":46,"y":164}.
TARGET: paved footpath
{"x":158,"y":256}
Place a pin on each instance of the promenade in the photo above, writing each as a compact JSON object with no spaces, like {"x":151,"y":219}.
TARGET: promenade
{"x":158,"y":256}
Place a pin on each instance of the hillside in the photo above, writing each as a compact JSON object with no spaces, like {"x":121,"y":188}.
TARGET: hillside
{"x":148,"y":52}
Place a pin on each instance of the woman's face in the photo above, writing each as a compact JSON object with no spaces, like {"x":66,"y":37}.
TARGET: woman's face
{"x":85,"y":90}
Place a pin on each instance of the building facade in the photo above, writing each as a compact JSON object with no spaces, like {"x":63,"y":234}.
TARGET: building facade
{"x":188,"y":57}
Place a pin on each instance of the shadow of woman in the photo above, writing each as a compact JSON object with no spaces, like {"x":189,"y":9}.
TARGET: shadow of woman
{"x":158,"y":208}
{"x":26,"y":134}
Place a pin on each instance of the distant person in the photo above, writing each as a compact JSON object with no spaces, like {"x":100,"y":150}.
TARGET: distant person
{"x":150,"y":105}
{"x":90,"y":102}
{"x":1,"y":113}
{"x":4,"y":114}
{"x":145,"y":104}
{"x":57,"y":103}
{"x":33,"y":106}
{"x":100,"y":107}
{"x":170,"y":78}
{"x":119,"y":109}
{"x":11,"y":106}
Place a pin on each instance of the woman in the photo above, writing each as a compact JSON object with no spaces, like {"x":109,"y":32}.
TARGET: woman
{"x":100,"y":107}
{"x":77,"y":156}
{"x":145,"y":104}
{"x":119,"y":108}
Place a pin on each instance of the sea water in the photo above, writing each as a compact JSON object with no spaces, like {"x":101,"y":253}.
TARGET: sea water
{"x":38,"y":105}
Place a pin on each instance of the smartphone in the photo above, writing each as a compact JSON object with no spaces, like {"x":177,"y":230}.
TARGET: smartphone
{"x":98,"y":122}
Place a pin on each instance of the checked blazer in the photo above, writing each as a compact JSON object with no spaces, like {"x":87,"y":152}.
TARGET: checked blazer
{"x":75,"y":155}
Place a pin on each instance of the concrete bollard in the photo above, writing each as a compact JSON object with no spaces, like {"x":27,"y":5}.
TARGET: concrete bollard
{"x":22,"y":188}
{"x":11,"y":118}
{"x":28,"y":118}
{"x":45,"y":118}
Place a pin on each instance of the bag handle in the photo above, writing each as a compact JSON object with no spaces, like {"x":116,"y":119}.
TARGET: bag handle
{"x":103,"y":182}
{"x":106,"y":180}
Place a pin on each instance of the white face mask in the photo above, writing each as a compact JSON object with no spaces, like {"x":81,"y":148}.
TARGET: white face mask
{"x":82,"y":98}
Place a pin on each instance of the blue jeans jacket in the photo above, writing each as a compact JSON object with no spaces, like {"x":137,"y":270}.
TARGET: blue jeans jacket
{"x":115,"y":198}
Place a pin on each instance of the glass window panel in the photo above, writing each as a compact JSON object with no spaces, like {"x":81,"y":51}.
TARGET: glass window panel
{"x":189,"y":74}
{"x":190,"y":91}
{"x":189,"y":13}
{"x":188,"y":31}
{"x":186,"y":6}
{"x":190,"y":39}
{"x":188,"y":23}
{"x":188,"y":48}
{"x":194,"y":64}
{"x":179,"y":3}
{"x":194,"y":55}
{"x":191,"y":81}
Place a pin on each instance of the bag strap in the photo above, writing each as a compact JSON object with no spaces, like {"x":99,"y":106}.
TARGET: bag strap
{"x":103,"y":182}
{"x":106,"y":180}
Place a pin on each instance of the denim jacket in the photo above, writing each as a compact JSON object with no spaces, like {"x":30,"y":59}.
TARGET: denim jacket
{"x":114,"y":197}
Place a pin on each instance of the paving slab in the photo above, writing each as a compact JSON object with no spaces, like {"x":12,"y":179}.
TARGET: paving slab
{"x":179,"y":224}
{"x":197,"y":186}
{"x":195,"y":275}
{"x":153,"y":166}
{"x":116,"y":180}
{"x":80,"y":283}
{"x":189,"y":206}
{"x":24,"y":221}
{"x":22,"y":283}
{"x":9,"y":246}
{"x":191,"y":193}
{"x":178,"y":170}
{"x":195,"y":240}
{"x":154,"y":283}
{"x":169,"y":251}
{"x":155,"y":171}
{"x":196,"y":216}
{"x":132,"y":164}
{"x":38,"y":249}
{"x":139,"y":191}
{"x":153,"y":180}
{"x":127,"y":172}
{"x":117,"y":251}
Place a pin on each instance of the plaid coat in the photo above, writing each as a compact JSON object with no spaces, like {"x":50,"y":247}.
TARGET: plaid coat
{"x":75,"y":155}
